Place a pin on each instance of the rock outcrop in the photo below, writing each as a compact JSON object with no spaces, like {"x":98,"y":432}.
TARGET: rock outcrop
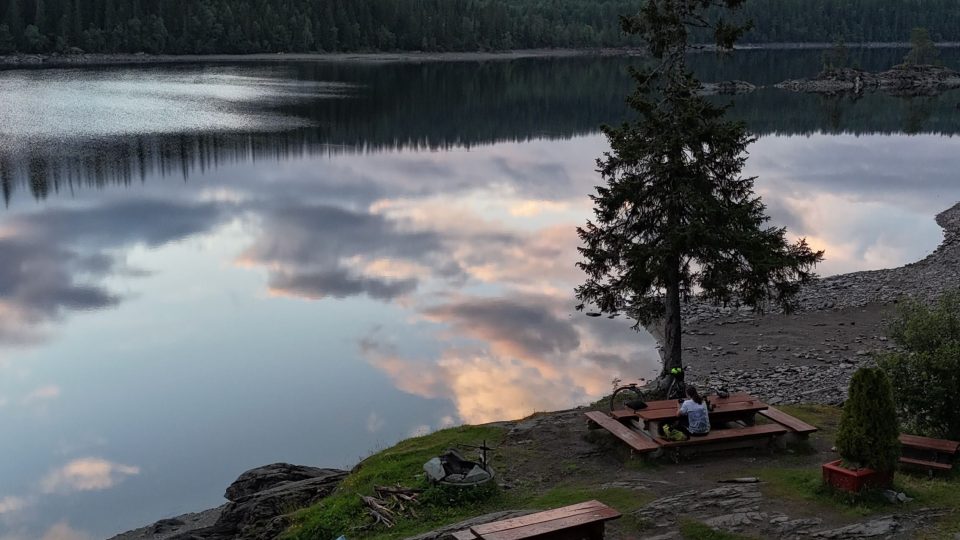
{"x":260,"y":500}
{"x":902,"y":80}
{"x":745,"y":510}
{"x":726,"y":88}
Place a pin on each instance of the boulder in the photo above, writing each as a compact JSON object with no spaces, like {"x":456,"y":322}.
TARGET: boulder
{"x":268,"y":476}
{"x":261,"y":499}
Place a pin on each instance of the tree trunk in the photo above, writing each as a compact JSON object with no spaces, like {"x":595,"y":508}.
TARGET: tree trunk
{"x":672,"y":346}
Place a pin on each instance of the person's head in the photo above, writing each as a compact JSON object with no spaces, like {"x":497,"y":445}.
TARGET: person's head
{"x":694,"y":395}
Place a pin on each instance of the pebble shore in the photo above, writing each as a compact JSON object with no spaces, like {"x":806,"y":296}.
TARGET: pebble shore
{"x":840,"y":324}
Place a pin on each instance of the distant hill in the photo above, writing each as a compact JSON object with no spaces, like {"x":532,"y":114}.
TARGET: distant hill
{"x":248,"y":26}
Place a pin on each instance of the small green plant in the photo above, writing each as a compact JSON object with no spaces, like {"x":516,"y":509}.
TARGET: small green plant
{"x":868,"y":432}
{"x":925,"y":373}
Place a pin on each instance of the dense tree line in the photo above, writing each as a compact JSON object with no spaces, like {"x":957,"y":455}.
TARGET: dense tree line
{"x":247,"y":26}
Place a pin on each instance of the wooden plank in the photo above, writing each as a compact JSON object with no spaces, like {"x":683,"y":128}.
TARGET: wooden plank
{"x":794,"y":424}
{"x":547,"y":515}
{"x":673,"y":404}
{"x":465,"y":534}
{"x":535,"y":530}
{"x":926,"y":443}
{"x":722,"y":409}
{"x":752,"y":432}
{"x":636,"y":441}
{"x":926,"y":464}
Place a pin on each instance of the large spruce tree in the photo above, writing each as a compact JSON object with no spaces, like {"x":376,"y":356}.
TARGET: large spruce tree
{"x":676,"y":218}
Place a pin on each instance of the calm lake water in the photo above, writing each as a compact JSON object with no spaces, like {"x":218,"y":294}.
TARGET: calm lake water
{"x":205,"y":268}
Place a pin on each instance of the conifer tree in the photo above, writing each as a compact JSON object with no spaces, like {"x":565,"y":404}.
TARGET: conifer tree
{"x":868,"y":433}
{"x":923,"y":50}
{"x":676,"y":218}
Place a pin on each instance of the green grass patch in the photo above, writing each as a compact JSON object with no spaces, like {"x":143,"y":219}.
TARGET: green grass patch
{"x":934,"y":493}
{"x":343,"y":512}
{"x":623,"y":499}
{"x":694,"y":530}
{"x":825,"y":417}
{"x":806,"y":485}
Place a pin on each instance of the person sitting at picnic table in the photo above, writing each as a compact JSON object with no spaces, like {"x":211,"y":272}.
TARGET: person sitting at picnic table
{"x":694,"y":418}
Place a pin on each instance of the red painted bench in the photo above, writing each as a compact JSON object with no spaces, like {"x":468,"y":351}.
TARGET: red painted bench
{"x":584,"y":521}
{"x":927,"y":453}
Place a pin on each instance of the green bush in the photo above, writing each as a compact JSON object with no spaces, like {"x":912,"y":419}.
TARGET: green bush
{"x":867,"y":435}
{"x":926,"y":372}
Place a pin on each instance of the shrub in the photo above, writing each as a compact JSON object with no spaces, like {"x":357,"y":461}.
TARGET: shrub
{"x":926,"y":372}
{"x":867,"y":435}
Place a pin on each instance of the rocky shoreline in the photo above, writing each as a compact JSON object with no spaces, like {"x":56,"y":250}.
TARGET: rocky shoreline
{"x":903,"y":80}
{"x":259,"y":502}
{"x":17,"y":61}
{"x":840,"y":324}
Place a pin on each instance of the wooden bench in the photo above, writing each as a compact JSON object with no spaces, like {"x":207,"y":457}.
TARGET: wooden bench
{"x":728,"y":435}
{"x":584,"y":521}
{"x":637,"y":441}
{"x":928,"y":453}
{"x":798,"y":430}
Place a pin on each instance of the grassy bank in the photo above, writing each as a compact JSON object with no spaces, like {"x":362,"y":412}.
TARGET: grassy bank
{"x":343,"y":512}
{"x":559,"y":462}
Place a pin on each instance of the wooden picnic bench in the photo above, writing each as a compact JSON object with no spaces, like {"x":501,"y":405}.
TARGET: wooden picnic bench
{"x":742,"y":407}
{"x":639,"y":442}
{"x":749,"y":433}
{"x":583,"y":521}
{"x":731,"y":418}
{"x":798,"y":430}
{"x":927,"y":453}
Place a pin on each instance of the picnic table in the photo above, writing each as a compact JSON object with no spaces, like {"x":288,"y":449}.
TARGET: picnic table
{"x":736,"y":407}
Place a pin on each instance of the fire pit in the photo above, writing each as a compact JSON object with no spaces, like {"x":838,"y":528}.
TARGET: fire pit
{"x":452,"y":469}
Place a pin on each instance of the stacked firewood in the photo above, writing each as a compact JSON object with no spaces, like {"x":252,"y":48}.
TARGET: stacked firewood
{"x":391,"y":503}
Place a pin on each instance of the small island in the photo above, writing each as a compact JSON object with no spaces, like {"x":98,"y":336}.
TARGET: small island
{"x":920,"y":74}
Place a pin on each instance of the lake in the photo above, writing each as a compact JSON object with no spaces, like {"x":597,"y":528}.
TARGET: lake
{"x":209,"y":267}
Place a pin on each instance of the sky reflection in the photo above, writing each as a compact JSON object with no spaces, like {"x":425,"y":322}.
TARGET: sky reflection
{"x":159,"y":338}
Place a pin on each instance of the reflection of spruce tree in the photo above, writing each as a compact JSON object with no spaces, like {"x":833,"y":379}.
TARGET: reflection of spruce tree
{"x":6,"y":179}
{"x":39,"y":178}
{"x":832,"y":108}
{"x":916,"y":112}
{"x":13,"y":18}
{"x":7,"y":43}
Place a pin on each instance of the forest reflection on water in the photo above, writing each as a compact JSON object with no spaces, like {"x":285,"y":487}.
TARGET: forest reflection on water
{"x":309,"y":261}
{"x":115,"y":125}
